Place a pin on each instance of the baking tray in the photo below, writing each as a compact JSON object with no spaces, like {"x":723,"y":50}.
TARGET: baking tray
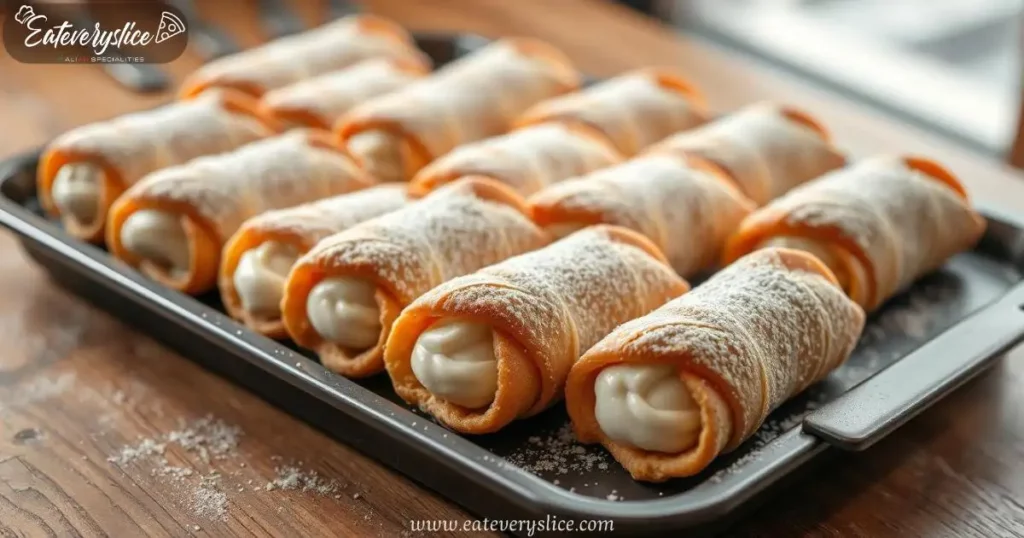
{"x":919,"y":347}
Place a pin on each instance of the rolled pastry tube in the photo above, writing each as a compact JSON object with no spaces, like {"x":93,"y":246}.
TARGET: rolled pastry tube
{"x":668,"y":392}
{"x":173,"y":224}
{"x":766,"y":149}
{"x":527,"y":160}
{"x":483,"y":350}
{"x":633,"y":110}
{"x":470,"y":99}
{"x":320,"y":101}
{"x":688,"y":209}
{"x":256,"y":260}
{"x":83,"y":171}
{"x":879,"y":224}
{"x":288,"y":60}
{"x":341,"y":297}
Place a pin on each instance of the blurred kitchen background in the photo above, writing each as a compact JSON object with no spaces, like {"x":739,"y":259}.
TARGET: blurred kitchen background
{"x":952,"y":66}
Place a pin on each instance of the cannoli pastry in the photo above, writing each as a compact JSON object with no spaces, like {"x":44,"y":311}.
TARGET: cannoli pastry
{"x":287,"y":60}
{"x":83,"y":171}
{"x":472,"y":98}
{"x":633,"y":110}
{"x":526,"y":160}
{"x":483,"y":350}
{"x":879,"y":225}
{"x":668,"y":392}
{"x":341,"y":298}
{"x":173,"y":224}
{"x":766,"y":149}
{"x":256,"y":260}
{"x":321,"y":100}
{"x":688,"y":209}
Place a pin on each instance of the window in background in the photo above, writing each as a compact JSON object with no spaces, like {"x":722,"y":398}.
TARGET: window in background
{"x":950,"y":65}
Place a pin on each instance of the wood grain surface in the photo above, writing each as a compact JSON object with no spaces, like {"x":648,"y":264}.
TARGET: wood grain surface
{"x":80,"y":393}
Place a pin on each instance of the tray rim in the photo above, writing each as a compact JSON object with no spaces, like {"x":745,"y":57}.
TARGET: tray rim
{"x":528,"y":492}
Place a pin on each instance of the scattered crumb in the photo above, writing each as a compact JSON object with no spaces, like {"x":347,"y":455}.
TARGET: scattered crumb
{"x":356,"y":496}
{"x":131,"y":454}
{"x":207,"y":437}
{"x":37,"y":390}
{"x":753,"y":455}
{"x":165,"y":469}
{"x":613,"y":496}
{"x":208,"y":501}
{"x":291,"y":477}
{"x":196,"y":528}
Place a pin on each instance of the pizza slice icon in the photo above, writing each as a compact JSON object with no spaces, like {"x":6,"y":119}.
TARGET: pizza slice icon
{"x":170,"y":26}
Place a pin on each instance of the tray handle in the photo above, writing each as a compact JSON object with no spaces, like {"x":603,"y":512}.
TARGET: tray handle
{"x":863,"y":416}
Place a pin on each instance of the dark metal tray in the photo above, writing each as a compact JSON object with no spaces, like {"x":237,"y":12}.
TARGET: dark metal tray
{"x":919,"y":347}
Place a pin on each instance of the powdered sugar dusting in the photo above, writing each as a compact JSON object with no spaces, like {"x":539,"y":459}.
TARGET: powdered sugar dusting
{"x":449,"y":233}
{"x":293,"y":58}
{"x":208,"y":500}
{"x":228,"y":188}
{"x":526,"y":159}
{"x":634,"y":110}
{"x":331,"y":95}
{"x":141,"y":142}
{"x":911,"y":324}
{"x":131,"y":454}
{"x":562,"y":299}
{"x":207,"y":437}
{"x":37,"y":390}
{"x":316,"y":220}
{"x":559,"y":454}
{"x":688,"y":213}
{"x":201,"y":489}
{"x":290,"y":477}
{"x":764,"y":151}
{"x":477,"y":96}
{"x":905,"y":222}
{"x":766,"y":330}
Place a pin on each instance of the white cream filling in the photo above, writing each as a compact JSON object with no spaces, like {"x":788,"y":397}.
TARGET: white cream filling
{"x":563,"y":229}
{"x":455,"y":361}
{"x":646,"y":406}
{"x":344,"y":311}
{"x":76,"y":191}
{"x":381,"y":154}
{"x":158,"y":237}
{"x":260,"y":276}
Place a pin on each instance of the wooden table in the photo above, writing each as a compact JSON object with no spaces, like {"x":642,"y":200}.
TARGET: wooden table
{"x":77,"y":387}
